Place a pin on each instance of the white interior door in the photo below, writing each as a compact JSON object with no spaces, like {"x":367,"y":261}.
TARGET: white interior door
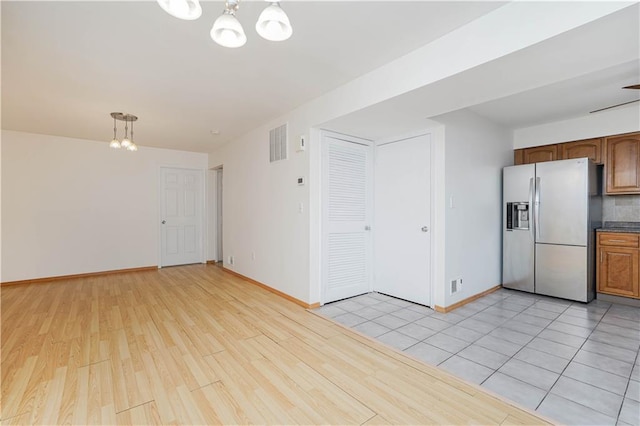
{"x":181,"y":198}
{"x":347,"y":203}
{"x":402,"y":219}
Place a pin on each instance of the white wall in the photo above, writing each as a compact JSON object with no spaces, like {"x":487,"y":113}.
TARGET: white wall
{"x":620,"y":120}
{"x":476,"y":150}
{"x":74,"y":206}
{"x":263,"y":228}
{"x":261,"y":199}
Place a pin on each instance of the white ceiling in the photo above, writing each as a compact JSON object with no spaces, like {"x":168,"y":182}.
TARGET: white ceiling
{"x":566,"y":99}
{"x":67,"y":65}
{"x":561,"y":78}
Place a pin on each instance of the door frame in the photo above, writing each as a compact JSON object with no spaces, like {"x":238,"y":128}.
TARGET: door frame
{"x":432,"y":200}
{"x":323,"y":216}
{"x":203,"y":206}
{"x":219,"y":191}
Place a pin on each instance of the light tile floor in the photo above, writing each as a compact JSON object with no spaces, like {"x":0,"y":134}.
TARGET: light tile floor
{"x":572,"y":362}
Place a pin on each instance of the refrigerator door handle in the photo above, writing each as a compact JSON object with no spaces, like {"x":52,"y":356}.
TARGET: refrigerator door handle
{"x":536,"y":210}
{"x":531,"y":204}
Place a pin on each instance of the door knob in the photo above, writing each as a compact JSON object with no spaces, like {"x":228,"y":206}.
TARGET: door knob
{"x":425,"y":229}
{"x":367,"y":228}
{"x":164,"y":221}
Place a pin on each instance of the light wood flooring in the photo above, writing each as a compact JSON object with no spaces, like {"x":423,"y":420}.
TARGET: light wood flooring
{"x":197,"y":345}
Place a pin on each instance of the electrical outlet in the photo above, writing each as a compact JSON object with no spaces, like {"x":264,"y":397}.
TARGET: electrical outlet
{"x":230,"y":260}
{"x":253,"y":255}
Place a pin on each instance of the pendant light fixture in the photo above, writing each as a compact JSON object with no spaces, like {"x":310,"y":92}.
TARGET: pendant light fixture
{"x":273,"y":24}
{"x":227,"y":30}
{"x":183,"y":9}
{"x":115,"y":143}
{"x":126,"y":142}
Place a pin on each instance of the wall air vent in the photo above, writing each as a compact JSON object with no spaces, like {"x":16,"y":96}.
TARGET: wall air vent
{"x":278,"y":143}
{"x":455,"y":286}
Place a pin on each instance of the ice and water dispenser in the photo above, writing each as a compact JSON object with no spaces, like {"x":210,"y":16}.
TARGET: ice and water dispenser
{"x":517,"y":216}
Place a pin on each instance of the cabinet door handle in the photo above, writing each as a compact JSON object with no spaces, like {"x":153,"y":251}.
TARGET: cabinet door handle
{"x":601,"y":253}
{"x":617,"y":241}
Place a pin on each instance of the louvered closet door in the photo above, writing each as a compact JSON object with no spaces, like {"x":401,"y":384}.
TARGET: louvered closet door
{"x":347,"y":206}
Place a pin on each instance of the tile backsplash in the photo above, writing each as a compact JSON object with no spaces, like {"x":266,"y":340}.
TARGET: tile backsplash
{"x":621,"y":208}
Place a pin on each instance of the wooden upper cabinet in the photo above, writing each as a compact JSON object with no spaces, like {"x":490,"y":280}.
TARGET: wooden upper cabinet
{"x":623,"y":164}
{"x":518,"y":156}
{"x":539,"y":154}
{"x":591,"y":148}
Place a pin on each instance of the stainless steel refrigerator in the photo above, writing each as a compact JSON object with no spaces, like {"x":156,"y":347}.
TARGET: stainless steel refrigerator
{"x":550,"y":213}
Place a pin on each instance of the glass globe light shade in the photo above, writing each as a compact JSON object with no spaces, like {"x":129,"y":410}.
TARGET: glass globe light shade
{"x":125,"y":143}
{"x":273,"y":24}
{"x":227,"y":31}
{"x":115,"y":144}
{"x":132,"y":147}
{"x":183,"y":9}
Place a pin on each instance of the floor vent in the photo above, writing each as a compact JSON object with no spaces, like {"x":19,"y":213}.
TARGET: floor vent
{"x":278,"y":143}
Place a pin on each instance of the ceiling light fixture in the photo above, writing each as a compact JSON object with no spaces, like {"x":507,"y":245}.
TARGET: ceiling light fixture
{"x":273,"y":24}
{"x":183,"y":9}
{"x":126,"y":143}
{"x":227,"y":30}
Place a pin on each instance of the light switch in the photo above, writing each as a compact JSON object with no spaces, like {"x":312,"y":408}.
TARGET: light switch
{"x":302,"y":143}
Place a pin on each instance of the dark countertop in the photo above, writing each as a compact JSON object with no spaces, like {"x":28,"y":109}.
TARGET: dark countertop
{"x":630,"y":227}
{"x":627,"y":230}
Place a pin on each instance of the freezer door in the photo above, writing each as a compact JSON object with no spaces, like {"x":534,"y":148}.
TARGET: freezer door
{"x":562,"y":271}
{"x":517,"y":244}
{"x":562,"y":196}
{"x":516,"y":182}
{"x":517,"y":261}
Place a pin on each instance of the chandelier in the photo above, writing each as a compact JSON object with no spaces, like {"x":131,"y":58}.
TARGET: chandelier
{"x":127,"y":142}
{"x":273,"y":23}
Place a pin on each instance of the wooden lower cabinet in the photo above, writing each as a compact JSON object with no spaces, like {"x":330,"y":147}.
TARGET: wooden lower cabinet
{"x":618,"y":270}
